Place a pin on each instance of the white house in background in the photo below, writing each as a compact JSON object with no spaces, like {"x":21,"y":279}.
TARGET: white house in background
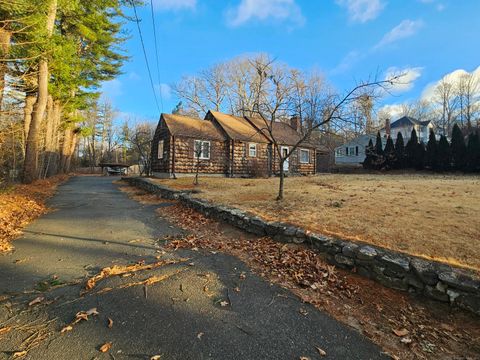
{"x":405,"y":125}
{"x":353,"y":152}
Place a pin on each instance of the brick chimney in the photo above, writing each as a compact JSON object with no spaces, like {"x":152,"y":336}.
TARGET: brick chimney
{"x":387,"y":127}
{"x":296,"y":123}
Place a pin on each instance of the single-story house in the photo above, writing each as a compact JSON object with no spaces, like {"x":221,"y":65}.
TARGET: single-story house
{"x":405,"y":125}
{"x":353,"y":153}
{"x":226,"y":145}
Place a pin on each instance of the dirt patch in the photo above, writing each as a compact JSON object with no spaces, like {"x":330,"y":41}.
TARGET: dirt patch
{"x":406,"y":327}
{"x":21,"y":204}
{"x":423,"y":215}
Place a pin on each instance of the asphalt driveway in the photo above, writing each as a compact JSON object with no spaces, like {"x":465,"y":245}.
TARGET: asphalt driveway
{"x":204,"y":306}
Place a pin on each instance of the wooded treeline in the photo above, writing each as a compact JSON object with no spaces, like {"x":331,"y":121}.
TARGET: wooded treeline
{"x":54,"y":55}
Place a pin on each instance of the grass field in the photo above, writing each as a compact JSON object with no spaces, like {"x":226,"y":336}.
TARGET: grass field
{"x":432,"y":216}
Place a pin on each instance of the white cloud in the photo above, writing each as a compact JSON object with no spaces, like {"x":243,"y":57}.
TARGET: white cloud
{"x":280,"y":10}
{"x":395,"y":110}
{"x":175,"y":5}
{"x":392,"y":111}
{"x":403,"y":30}
{"x":133,"y":76}
{"x":406,"y":78}
{"x":453,"y":78}
{"x":347,"y":62}
{"x":165,"y":91}
{"x":111,"y":89}
{"x":438,"y":5}
{"x":362,"y":10}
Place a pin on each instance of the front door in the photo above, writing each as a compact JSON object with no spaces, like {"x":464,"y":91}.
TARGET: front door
{"x":284,"y":150}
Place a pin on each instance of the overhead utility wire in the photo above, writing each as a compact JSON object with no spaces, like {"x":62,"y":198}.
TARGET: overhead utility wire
{"x":156,"y":53}
{"x":145,"y":54}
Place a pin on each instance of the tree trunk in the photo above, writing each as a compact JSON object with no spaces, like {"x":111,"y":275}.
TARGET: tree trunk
{"x":71,"y":151}
{"x":30,"y":167}
{"x":65,"y":149}
{"x":5,"y":37}
{"x":282,"y":181}
{"x":27,"y":112}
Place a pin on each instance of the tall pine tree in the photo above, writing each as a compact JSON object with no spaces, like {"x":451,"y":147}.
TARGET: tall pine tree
{"x":390,"y":158}
{"x":379,"y":160}
{"x":458,"y":149}
{"x":369,"y":156}
{"x":473,"y":152}
{"x":399,"y":152}
{"x":443,"y":154}
{"x":431,"y":153}
{"x":411,"y":149}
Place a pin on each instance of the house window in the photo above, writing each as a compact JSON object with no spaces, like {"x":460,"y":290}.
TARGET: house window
{"x":351,"y":151}
{"x":160,"y":149}
{"x":356,"y":150}
{"x":252,"y":150}
{"x":201,"y":150}
{"x":304,"y":156}
{"x":346,"y":151}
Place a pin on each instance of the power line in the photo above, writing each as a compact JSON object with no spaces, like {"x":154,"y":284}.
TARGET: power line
{"x":156,"y":53}
{"x":145,"y":54}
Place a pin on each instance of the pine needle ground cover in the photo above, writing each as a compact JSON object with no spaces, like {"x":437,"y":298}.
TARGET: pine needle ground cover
{"x":21,"y":204}
{"x":432,"y":216}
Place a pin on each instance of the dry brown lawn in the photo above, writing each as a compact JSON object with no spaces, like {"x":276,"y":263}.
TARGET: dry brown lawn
{"x":432,"y":216}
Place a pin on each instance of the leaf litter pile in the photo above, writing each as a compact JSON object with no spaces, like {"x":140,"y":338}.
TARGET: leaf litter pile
{"x":21,"y":204}
{"x":406,"y":327}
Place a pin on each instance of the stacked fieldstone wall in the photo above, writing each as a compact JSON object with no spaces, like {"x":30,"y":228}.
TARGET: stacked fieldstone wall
{"x":438,"y":281}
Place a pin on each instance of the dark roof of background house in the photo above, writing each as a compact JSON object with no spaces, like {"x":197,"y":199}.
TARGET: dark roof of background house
{"x":283,"y":133}
{"x":407,"y":120}
{"x":180,"y":125}
{"x":360,"y":140}
{"x":238,"y":128}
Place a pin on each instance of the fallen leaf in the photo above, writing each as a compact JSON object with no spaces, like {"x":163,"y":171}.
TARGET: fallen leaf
{"x":92,"y":311}
{"x":105,"y":347}
{"x":223,"y":303}
{"x":199,"y":335}
{"x":401,"y":332}
{"x":18,"y":354}
{"x":156,"y":357}
{"x":5,"y":330}
{"x":110,"y":323}
{"x":242,"y":276}
{"x":67,"y":328}
{"x":303,"y":311}
{"x":304,"y":358}
{"x":406,"y":340}
{"x":321,"y":351}
{"x":37,"y":300}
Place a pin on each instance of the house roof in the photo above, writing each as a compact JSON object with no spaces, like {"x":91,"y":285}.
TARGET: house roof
{"x":283,"y":133}
{"x":407,"y":120}
{"x":180,"y":125}
{"x":238,"y":128}
{"x":361,"y":140}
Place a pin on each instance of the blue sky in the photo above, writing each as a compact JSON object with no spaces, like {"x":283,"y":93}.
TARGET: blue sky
{"x":347,"y":40}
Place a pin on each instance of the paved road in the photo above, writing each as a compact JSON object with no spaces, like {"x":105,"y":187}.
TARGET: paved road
{"x":94,"y":226}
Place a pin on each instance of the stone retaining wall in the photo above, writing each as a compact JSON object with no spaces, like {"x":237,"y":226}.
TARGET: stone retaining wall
{"x":435,"y":280}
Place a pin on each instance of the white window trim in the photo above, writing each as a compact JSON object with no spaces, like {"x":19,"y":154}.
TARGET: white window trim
{"x":308,"y":153}
{"x":160,"y":147}
{"x":201,"y":144}
{"x":252,"y":146}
